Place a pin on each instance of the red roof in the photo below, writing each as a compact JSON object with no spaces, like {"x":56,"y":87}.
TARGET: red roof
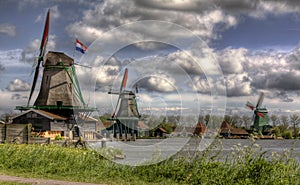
{"x":227,"y":128}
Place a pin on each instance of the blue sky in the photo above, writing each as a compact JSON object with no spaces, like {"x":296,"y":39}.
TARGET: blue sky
{"x":256,"y":44}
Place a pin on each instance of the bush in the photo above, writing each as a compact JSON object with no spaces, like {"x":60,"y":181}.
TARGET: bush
{"x":58,"y":137}
{"x":287,"y":135}
{"x":276,"y":131}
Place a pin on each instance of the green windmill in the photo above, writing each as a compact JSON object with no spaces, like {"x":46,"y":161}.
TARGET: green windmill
{"x":260,"y":116}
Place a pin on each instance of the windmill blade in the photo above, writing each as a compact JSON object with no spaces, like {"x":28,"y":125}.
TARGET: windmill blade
{"x":41,"y":55}
{"x":260,"y":99}
{"x":117,"y":107}
{"x":124,"y":81}
{"x":253,"y":118}
{"x":250,"y":105}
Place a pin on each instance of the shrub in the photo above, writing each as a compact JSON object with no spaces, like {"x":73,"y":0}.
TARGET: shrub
{"x":287,"y":135}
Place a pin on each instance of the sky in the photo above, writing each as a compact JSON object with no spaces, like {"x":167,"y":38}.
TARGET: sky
{"x":195,"y":56}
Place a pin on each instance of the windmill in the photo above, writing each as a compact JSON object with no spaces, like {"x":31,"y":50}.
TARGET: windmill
{"x":126,"y":113}
{"x":260,"y":115}
{"x":59,"y":92}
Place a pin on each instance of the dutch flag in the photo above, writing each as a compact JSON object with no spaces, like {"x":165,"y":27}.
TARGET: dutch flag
{"x":80,"y":47}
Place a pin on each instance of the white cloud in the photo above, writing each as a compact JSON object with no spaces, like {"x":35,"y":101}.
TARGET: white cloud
{"x":160,"y":83}
{"x":32,"y":50}
{"x":8,"y":29}
{"x":18,"y":85}
{"x":232,"y":60}
{"x":200,"y":85}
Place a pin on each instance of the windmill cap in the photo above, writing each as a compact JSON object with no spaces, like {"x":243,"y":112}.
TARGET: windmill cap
{"x":56,"y":58}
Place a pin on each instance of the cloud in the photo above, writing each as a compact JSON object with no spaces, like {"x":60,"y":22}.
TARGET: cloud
{"x":200,"y":85}
{"x":19,"y":97}
{"x":54,"y":14}
{"x":157,"y":83}
{"x":18,"y":85}
{"x":1,"y":67}
{"x":283,"y":96}
{"x":232,"y":60}
{"x":32,"y":49}
{"x":186,"y":61}
{"x":238,"y":85}
{"x":111,"y":14}
{"x":8,"y":29}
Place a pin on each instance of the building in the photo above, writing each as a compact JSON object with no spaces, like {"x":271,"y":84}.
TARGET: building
{"x":227,"y":131}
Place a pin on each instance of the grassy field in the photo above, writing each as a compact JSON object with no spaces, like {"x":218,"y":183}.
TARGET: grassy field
{"x":248,"y":165}
{"x":13,"y":183}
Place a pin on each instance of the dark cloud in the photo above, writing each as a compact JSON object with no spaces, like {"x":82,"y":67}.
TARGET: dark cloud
{"x":157,"y":84}
{"x":287,"y":81}
{"x":200,"y":5}
{"x":17,"y":96}
{"x":1,"y":67}
{"x":8,"y":29}
{"x":283,"y":96}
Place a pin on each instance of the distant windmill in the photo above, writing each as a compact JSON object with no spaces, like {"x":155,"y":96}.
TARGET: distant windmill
{"x":126,"y":112}
{"x":260,"y":116}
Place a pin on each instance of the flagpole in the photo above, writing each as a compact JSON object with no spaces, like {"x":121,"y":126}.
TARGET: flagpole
{"x":74,"y":50}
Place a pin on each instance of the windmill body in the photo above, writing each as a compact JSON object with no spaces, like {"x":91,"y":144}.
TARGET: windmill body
{"x":260,"y":116}
{"x":261,"y":119}
{"x":57,"y":87}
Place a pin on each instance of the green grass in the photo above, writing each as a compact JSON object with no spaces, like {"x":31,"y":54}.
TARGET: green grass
{"x":13,"y":183}
{"x":247,"y":165}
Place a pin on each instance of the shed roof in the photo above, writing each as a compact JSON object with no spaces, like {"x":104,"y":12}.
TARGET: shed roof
{"x":142,"y":125}
{"x":42,"y":113}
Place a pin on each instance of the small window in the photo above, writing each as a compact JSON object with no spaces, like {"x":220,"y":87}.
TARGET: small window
{"x":47,"y":79}
{"x":34,"y":115}
{"x":28,"y":115}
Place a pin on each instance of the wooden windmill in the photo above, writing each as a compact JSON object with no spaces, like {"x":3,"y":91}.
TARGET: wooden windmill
{"x":60,"y":92}
{"x":260,"y":115}
{"x":126,"y":113}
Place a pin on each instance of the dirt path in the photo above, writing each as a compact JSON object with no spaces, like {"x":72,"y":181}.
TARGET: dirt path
{"x":40,"y":181}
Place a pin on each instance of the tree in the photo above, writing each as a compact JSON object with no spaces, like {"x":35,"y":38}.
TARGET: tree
{"x":247,"y":121}
{"x":284,"y":123}
{"x":206,"y":119}
{"x":236,"y":120}
{"x":274,"y":119}
{"x":295,"y":120}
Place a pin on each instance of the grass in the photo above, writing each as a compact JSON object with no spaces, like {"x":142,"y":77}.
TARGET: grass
{"x":13,"y":183}
{"x":246,"y":165}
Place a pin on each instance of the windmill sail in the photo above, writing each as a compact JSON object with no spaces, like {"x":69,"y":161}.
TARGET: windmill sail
{"x":250,"y":105}
{"x":122,"y":88}
{"x":260,"y":100}
{"x":41,"y":55}
{"x":124,"y":81}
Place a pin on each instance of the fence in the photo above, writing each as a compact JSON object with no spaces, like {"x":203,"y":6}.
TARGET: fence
{"x":18,"y":133}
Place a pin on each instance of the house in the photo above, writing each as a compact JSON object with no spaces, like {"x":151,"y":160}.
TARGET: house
{"x":200,"y":129}
{"x":50,"y":125}
{"x":227,"y":131}
{"x":143,"y":129}
{"x":159,"y":132}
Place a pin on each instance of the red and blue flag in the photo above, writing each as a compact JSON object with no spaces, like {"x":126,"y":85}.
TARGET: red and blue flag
{"x":80,"y":46}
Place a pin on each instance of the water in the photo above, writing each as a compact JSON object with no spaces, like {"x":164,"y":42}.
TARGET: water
{"x":145,"y":150}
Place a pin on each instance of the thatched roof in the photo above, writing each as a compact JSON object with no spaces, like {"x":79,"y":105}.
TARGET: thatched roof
{"x":227,"y":128}
{"x":200,"y":129}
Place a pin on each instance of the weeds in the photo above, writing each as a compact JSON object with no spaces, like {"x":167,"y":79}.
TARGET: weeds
{"x":246,"y":165}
